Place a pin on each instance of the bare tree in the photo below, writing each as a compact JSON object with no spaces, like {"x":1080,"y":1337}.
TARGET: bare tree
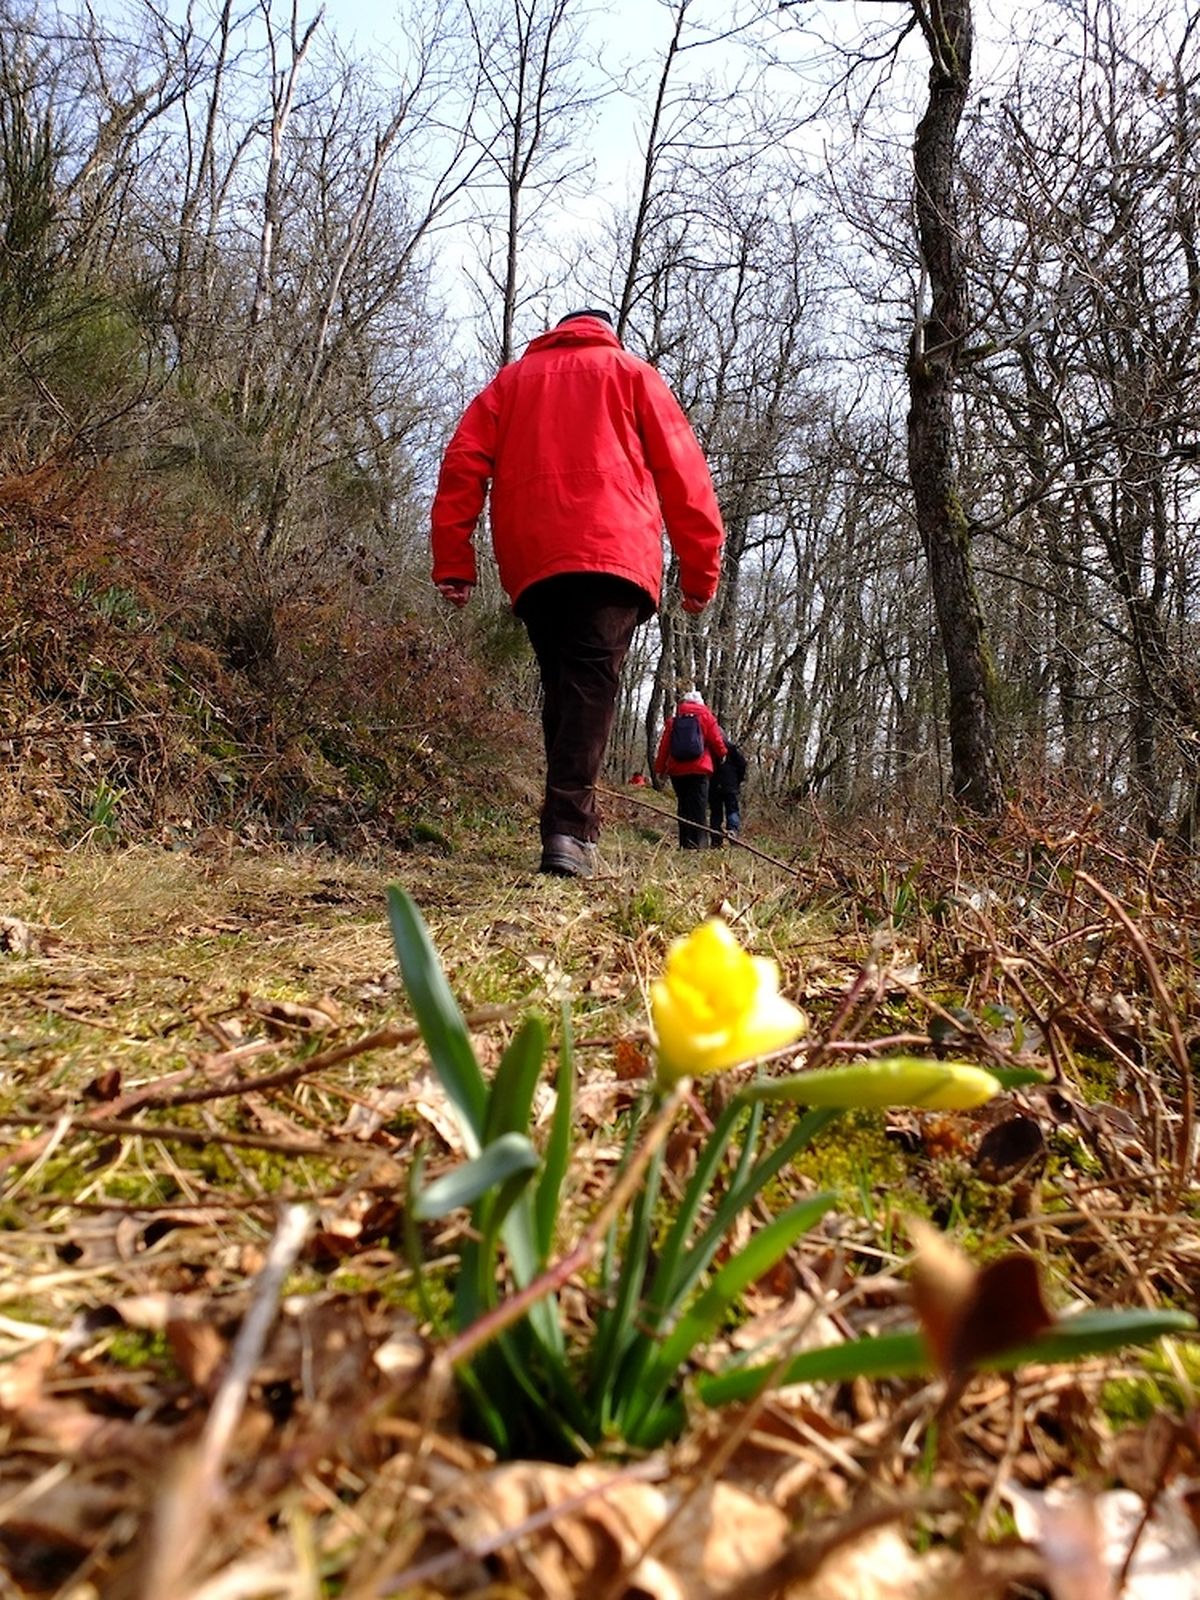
{"x":934,"y":355}
{"x":72,"y":124}
{"x":531,"y":112}
{"x":1087,"y":387}
{"x":283,"y":77}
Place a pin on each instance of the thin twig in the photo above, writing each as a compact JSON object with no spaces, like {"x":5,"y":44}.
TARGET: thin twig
{"x":380,"y":1039}
{"x":1152,"y":1499}
{"x":184,"y":1510}
{"x":670,"y":818}
{"x":294,"y":1227}
{"x":199,"y":1137}
{"x":148,"y":1098}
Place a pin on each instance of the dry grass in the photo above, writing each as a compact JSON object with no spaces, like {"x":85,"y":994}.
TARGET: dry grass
{"x":151,"y":993}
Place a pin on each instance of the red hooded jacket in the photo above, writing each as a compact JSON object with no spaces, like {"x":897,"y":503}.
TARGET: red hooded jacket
{"x":588,"y":453}
{"x":714,"y":743}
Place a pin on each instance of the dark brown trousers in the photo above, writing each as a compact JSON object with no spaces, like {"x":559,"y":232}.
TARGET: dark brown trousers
{"x":691,"y":804}
{"x":580,"y":625}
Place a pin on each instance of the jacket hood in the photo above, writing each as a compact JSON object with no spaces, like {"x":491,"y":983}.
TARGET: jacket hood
{"x":578,"y":331}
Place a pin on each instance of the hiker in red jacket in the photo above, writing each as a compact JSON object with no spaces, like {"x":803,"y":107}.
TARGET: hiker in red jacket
{"x":692,"y":745}
{"x":588,"y":454}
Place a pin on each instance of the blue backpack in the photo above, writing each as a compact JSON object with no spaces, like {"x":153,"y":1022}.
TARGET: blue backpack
{"x":687,"y":737}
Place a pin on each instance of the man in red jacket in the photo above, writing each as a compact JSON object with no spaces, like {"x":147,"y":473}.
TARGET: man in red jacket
{"x":588,"y":455}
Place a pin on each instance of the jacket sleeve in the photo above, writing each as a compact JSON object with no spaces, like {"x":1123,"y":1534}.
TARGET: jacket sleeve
{"x":714,"y":739}
{"x":664,"y":747}
{"x":684,"y":485}
{"x":738,"y":762}
{"x":462,"y":489}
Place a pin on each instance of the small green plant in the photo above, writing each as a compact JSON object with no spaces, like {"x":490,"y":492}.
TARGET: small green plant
{"x":647,"y":908}
{"x":119,"y":605}
{"x":103,"y":824}
{"x":1161,"y":1386}
{"x":901,"y":898}
{"x":533,"y":1388}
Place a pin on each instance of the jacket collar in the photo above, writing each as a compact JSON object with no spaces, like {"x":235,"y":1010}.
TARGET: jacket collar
{"x":579,"y":331}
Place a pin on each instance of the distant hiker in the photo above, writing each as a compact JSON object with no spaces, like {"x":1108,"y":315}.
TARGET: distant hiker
{"x":724,"y":795}
{"x":638,"y":781}
{"x":691,"y":746}
{"x":588,"y":454}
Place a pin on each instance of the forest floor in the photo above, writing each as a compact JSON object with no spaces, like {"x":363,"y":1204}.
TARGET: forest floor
{"x":217,"y":1378}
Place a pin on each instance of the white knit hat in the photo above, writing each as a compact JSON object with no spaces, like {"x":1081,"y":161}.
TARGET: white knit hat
{"x":692,"y":697}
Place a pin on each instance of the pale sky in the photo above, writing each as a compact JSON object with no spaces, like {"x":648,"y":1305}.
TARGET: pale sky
{"x":629,"y":31}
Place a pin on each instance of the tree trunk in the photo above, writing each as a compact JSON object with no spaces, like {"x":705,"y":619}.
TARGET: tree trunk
{"x":932,"y":370}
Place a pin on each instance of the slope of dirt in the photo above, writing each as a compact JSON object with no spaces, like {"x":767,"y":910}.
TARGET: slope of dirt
{"x":159,"y":682}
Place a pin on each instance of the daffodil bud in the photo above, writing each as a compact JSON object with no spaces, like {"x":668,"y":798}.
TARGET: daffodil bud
{"x":716,"y":1006}
{"x":892,"y":1081}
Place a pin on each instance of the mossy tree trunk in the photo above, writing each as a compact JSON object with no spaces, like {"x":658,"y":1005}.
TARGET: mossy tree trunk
{"x":937,"y":339}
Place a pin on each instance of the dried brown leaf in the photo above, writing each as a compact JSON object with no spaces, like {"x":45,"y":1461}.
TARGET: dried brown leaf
{"x":967,"y":1312}
{"x":18,"y":938}
{"x":702,"y":1546}
{"x":1008,"y":1148}
{"x":880,"y":1566}
{"x":106,"y":1086}
{"x":198,"y":1349}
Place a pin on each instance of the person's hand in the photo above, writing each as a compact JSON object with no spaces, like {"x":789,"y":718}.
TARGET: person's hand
{"x":693,"y":605}
{"x":455,"y":591}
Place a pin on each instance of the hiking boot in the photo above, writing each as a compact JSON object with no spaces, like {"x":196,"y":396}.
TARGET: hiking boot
{"x":566,"y":857}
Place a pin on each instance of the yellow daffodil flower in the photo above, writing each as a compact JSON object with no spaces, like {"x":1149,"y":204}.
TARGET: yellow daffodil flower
{"x":892,"y":1081}
{"x":716,"y":1006}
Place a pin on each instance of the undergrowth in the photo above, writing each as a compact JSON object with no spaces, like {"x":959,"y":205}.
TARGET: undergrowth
{"x":156,"y":680}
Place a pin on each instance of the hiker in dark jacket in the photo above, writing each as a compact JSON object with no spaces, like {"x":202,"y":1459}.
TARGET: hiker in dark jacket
{"x":689,"y":772}
{"x":724,"y":796}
